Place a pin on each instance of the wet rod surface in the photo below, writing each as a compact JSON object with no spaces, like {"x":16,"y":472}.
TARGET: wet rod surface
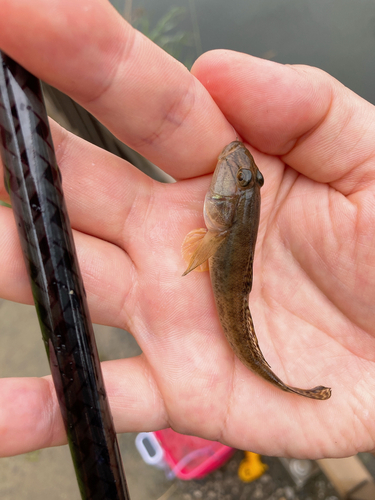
{"x":33,"y":181}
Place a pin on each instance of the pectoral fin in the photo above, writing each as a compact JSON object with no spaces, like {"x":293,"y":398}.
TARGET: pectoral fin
{"x":198,"y":246}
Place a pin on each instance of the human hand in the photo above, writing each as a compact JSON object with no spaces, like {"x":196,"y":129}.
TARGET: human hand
{"x":313,"y":274}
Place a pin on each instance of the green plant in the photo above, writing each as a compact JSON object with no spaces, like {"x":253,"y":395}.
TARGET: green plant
{"x":166,"y":33}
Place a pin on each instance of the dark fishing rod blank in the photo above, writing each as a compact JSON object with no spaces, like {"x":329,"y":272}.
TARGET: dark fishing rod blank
{"x":33,"y":181}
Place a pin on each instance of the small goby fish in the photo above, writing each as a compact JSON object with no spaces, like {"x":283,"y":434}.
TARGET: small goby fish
{"x":231,"y":214}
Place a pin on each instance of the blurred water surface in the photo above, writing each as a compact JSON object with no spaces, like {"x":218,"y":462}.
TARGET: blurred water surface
{"x":337,"y":36}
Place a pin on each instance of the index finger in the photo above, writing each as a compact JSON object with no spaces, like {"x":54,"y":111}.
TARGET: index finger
{"x":146,"y":98}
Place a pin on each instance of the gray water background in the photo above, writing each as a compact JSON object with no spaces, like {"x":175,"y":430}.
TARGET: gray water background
{"x":337,"y":36}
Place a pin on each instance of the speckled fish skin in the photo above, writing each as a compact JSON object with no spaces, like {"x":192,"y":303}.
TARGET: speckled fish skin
{"x":232,"y":206}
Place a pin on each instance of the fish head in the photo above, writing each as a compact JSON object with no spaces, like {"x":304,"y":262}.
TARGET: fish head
{"x":235,"y":174}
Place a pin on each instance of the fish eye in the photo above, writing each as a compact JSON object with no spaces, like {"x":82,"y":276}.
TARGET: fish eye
{"x":260,"y":178}
{"x":244,"y":177}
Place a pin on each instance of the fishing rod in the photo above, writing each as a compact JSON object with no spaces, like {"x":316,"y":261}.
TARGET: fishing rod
{"x":33,"y":181}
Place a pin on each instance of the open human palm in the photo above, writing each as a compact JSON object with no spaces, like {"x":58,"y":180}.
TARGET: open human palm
{"x":314,"y":270}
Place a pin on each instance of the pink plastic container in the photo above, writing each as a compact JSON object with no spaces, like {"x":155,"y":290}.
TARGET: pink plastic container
{"x":191,"y":457}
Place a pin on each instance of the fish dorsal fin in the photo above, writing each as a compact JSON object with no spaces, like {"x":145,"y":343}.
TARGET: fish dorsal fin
{"x":198,"y":246}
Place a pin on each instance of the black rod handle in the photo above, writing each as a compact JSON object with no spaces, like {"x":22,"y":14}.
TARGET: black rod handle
{"x":33,"y":181}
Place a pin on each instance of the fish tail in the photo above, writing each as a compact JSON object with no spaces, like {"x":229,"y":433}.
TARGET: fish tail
{"x":253,"y":358}
{"x":319,"y":392}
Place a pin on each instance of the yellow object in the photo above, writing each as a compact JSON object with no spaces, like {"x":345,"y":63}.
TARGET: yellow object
{"x":251,"y":467}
